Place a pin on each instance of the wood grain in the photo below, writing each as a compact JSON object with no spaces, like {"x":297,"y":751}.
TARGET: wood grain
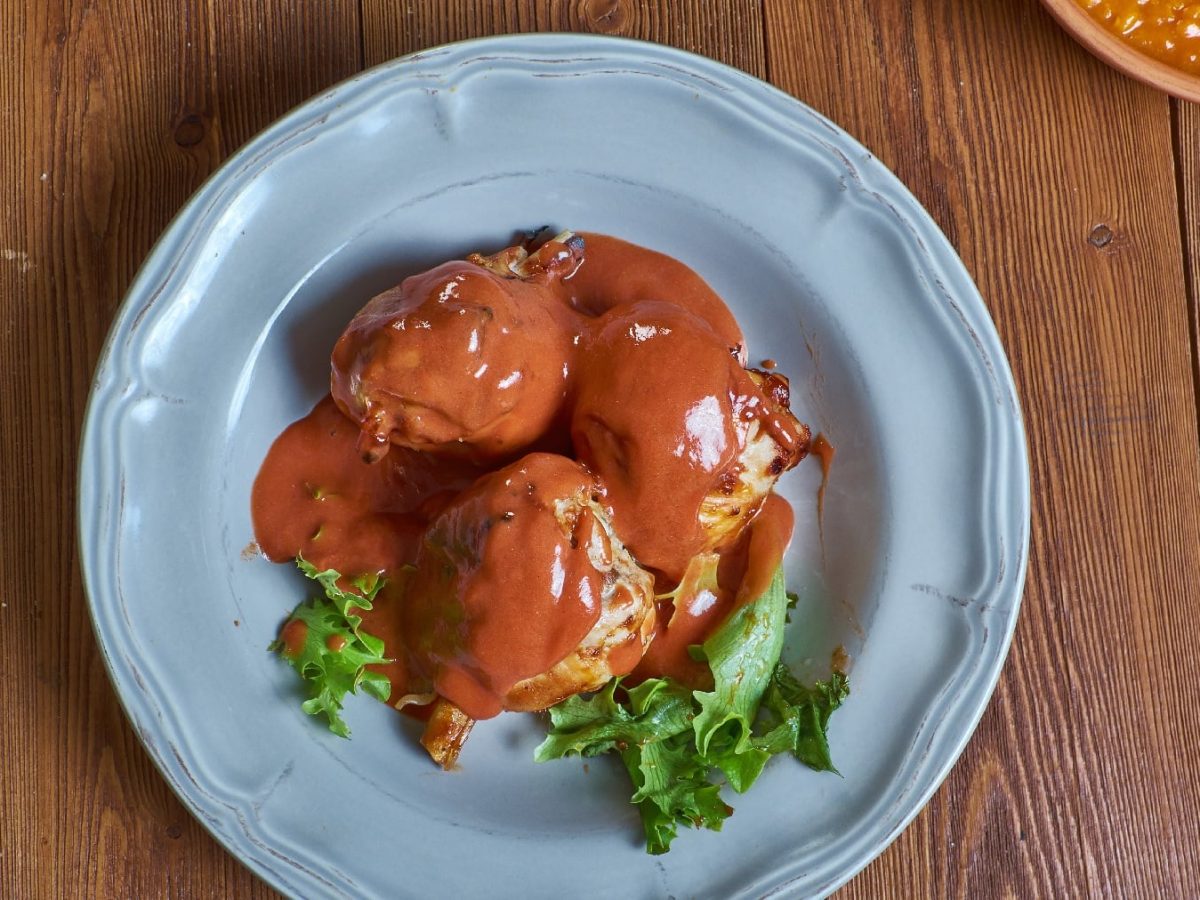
{"x":1074,"y":784}
{"x":18,"y":746}
{"x":1186,"y":122}
{"x":729,"y":30}
{"x":112,"y":117}
{"x":1072,"y":193}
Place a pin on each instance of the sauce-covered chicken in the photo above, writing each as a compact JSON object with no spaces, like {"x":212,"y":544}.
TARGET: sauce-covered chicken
{"x":514,"y":585}
{"x":463,"y":359}
{"x":523,"y":595}
{"x":687,"y":442}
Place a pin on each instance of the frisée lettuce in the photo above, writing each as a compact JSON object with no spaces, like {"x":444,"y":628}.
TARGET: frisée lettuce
{"x":671,"y":739}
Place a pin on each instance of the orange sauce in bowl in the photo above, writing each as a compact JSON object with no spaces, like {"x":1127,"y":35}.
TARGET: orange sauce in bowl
{"x":1167,"y":30}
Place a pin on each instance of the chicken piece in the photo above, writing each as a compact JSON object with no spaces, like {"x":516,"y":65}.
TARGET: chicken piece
{"x":555,"y":260}
{"x":522,"y":593}
{"x":470,"y":358}
{"x":445,"y":732}
{"x":686,"y":441}
{"x":770,"y":445}
{"x":615,"y":644}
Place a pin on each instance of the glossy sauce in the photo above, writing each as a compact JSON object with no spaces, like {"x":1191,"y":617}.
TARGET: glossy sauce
{"x":315,"y":497}
{"x":503,"y":589}
{"x":703,"y":602}
{"x":384,"y":621}
{"x":824,"y":452}
{"x":621,"y":353}
{"x":456,"y":359}
{"x":617,"y":273}
{"x":770,"y":535}
{"x":659,"y":438}
{"x":1167,"y":30}
{"x":292,"y":637}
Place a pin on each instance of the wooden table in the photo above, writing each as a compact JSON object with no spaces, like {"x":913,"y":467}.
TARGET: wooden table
{"x":1071,"y":192}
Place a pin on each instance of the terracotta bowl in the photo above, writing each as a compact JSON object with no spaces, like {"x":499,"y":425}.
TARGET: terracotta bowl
{"x":1120,"y":55}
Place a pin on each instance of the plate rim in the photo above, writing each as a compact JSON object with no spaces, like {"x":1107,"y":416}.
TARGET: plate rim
{"x":154,"y":277}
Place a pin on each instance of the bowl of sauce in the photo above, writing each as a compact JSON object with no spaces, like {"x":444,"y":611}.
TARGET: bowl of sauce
{"x":1154,"y":41}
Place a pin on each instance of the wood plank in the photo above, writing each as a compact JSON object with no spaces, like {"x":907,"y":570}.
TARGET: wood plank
{"x":273,"y":56}
{"x":1053,"y":177}
{"x":89,"y":143}
{"x":1186,"y":121}
{"x":111,"y":118}
{"x":18,"y":824}
{"x":729,"y":30}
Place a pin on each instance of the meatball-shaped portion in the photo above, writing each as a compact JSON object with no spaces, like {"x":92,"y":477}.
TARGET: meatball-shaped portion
{"x":618,"y":273}
{"x":522,"y":594}
{"x":457,"y":360}
{"x":686,"y":441}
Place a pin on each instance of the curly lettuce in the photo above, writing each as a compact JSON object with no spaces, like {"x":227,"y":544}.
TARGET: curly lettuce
{"x":324,"y":642}
{"x":672,"y":739}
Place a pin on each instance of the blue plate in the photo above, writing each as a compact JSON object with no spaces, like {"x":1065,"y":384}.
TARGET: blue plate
{"x":833,"y":270}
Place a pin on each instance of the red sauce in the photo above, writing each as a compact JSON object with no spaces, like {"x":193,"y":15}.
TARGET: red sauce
{"x":503,"y":589}
{"x":315,"y":497}
{"x":658,"y":438}
{"x":825,"y":452}
{"x":617,"y":273}
{"x":600,"y":349}
{"x":456,"y":358}
{"x":293,"y":636}
{"x":661,"y":411}
{"x":699,"y":605}
{"x":769,"y":538}
{"x":706,"y":596}
{"x":383,"y":621}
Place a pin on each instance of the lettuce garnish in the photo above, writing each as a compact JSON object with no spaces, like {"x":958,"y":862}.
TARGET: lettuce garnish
{"x":672,"y":739}
{"x":336,"y":651}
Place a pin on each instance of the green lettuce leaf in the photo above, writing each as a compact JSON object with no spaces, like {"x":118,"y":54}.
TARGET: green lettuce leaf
{"x":650,"y":726}
{"x":742,"y":654}
{"x":671,"y":787}
{"x":801,"y":717}
{"x":589,"y":726}
{"x":363,"y":597}
{"x":335,"y":653}
{"x":670,"y":739}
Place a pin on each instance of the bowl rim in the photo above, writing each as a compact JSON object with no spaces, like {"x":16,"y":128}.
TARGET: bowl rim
{"x":1126,"y":58}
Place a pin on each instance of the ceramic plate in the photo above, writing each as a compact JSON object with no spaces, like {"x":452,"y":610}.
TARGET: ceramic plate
{"x":833,"y":270}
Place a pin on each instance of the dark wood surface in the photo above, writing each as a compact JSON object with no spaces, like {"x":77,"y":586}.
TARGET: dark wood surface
{"x":1071,"y":192}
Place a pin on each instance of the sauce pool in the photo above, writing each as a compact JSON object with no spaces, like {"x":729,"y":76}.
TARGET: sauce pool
{"x":706,"y":598}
